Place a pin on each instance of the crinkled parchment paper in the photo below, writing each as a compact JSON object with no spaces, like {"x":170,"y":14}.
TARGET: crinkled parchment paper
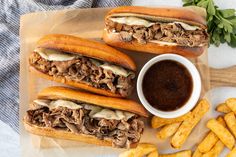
{"x":87,"y":23}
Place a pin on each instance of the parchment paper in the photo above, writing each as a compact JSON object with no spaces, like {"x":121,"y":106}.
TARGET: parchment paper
{"x":87,"y":23}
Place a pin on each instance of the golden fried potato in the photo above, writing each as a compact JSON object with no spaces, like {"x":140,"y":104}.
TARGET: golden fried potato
{"x":188,"y":124}
{"x":231,"y":122}
{"x":223,"y":108}
{"x":185,"y":153}
{"x":153,"y":154}
{"x":215,"y":151}
{"x":128,"y":153}
{"x":232,"y":153}
{"x":231,"y":103}
{"x":141,"y":150}
{"x":221,"y":132}
{"x":210,"y":140}
{"x":197,"y":153}
{"x":158,"y":122}
{"x":168,"y":130}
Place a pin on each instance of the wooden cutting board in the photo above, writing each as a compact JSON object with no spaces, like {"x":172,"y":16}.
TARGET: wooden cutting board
{"x":223,"y":77}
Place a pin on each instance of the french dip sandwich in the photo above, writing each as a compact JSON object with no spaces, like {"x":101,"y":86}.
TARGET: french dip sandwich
{"x":82,"y":63}
{"x":64,"y":113}
{"x":156,"y":30}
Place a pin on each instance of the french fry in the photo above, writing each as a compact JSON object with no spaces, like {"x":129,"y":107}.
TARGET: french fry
{"x":215,"y":151}
{"x":231,"y":122}
{"x":210,"y":140}
{"x":231,"y":103}
{"x":153,"y":154}
{"x":221,"y":132}
{"x":168,"y":130}
{"x":188,"y":124}
{"x":223,"y":108}
{"x":185,"y":153}
{"x":128,"y":153}
{"x":141,"y":150}
{"x":158,"y":122}
{"x":232,"y":153}
{"x":197,"y":153}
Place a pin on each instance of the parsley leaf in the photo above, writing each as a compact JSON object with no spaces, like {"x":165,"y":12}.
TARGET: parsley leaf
{"x":221,"y":22}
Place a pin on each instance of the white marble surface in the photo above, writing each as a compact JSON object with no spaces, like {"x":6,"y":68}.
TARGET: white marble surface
{"x":221,"y":57}
{"x":9,"y":141}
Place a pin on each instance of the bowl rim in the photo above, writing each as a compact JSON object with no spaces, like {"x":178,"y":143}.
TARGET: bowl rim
{"x":196,"y":91}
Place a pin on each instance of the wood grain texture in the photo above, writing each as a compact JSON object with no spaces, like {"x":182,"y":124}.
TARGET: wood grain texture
{"x":223,"y":77}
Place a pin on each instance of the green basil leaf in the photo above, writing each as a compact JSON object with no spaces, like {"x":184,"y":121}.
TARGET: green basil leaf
{"x":226,"y":13}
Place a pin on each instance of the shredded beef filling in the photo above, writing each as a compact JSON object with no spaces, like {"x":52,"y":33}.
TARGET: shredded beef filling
{"x":83,"y":70}
{"x":165,"y":32}
{"x":121,"y":132}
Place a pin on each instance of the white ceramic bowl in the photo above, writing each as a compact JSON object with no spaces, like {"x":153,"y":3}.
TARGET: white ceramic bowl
{"x":195,"y":92}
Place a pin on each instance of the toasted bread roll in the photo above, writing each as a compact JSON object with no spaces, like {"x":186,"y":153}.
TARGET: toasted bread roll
{"x":85,"y":64}
{"x":60,"y":112}
{"x":156,"y":30}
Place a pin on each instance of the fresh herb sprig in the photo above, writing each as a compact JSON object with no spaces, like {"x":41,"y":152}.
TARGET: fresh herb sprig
{"x":221,"y":22}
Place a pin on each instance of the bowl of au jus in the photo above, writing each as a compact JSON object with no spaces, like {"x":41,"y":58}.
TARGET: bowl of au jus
{"x":169,"y":85}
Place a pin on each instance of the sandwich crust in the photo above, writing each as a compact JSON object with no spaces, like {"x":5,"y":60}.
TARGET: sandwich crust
{"x":107,"y":102}
{"x":182,"y":14}
{"x":72,"y":44}
{"x":114,"y":40}
{"x":49,"y":132}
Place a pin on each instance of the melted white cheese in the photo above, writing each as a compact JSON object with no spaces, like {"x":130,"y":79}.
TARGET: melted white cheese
{"x":132,"y":21}
{"x":187,"y":26}
{"x":64,"y":103}
{"x":42,"y":102}
{"x":54,"y":55}
{"x":96,"y":111}
{"x":139,"y":21}
{"x":115,"y":69}
{"x":162,"y":42}
{"x":109,"y":114}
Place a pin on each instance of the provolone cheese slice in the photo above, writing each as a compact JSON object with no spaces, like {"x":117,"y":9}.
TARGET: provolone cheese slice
{"x":163,"y":42}
{"x":64,"y":103}
{"x":95,"y":111}
{"x":132,"y":21}
{"x":42,"y":102}
{"x":115,"y":69}
{"x":109,"y":114}
{"x":187,"y":26}
{"x":139,"y":21}
{"x":54,"y":55}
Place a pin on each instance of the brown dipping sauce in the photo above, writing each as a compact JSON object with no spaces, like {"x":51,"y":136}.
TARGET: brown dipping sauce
{"x":167,"y":85}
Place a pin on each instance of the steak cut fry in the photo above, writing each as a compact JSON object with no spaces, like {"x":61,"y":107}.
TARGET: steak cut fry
{"x":223,"y":108}
{"x":185,"y":153}
{"x":231,"y":122}
{"x":168,"y":130}
{"x":231,"y":103}
{"x":158,"y":122}
{"x":211,"y":139}
{"x":188,"y":124}
{"x":215,"y":151}
{"x":221,"y":132}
